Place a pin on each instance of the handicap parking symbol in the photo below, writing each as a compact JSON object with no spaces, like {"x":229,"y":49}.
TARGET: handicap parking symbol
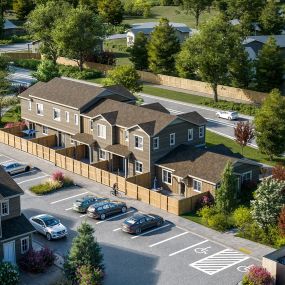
{"x":244,"y":269}
{"x":201,"y":250}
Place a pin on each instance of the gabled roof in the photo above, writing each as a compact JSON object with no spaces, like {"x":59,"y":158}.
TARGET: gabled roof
{"x":73,"y":93}
{"x":9,"y":25}
{"x":194,"y":118}
{"x":84,"y":138}
{"x":8,"y":187}
{"x":156,"y":106}
{"x":280,"y":40}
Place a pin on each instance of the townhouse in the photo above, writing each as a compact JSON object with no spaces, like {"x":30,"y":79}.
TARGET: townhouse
{"x":15,"y":229}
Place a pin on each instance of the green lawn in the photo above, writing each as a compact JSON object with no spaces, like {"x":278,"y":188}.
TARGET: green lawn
{"x":11,"y":116}
{"x":96,"y":80}
{"x":192,"y":216}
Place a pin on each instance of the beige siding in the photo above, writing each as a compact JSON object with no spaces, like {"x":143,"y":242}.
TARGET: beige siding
{"x":85,"y":125}
{"x":119,"y":136}
{"x":102,"y":143}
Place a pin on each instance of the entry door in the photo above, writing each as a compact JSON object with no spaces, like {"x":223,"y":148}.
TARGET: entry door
{"x":61,"y":139}
{"x":9,"y":252}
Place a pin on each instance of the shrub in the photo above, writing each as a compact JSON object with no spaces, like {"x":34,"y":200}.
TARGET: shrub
{"x":58,"y":176}
{"x":105,"y":57}
{"x":278,"y":172}
{"x":219,"y":222}
{"x":257,"y":275}
{"x":241,"y":218}
{"x":27,"y":63}
{"x":137,"y":8}
{"x":22,"y":125}
{"x":67,"y":181}
{"x":37,"y":261}
{"x":206,"y":212}
{"x":280,"y":242}
{"x":74,"y":72}
{"x":206,"y":200}
{"x":9,"y":274}
{"x":88,"y":275}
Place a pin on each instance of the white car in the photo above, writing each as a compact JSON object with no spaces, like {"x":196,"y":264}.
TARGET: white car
{"x":15,"y":167}
{"x":49,"y":226}
{"x":229,"y":115}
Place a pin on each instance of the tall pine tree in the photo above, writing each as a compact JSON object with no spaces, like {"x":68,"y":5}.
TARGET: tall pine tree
{"x":138,"y":52}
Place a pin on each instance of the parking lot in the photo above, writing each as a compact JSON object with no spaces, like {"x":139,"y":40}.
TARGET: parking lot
{"x":169,"y":254}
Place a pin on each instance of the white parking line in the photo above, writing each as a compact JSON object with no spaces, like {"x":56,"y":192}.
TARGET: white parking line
{"x":68,"y":209}
{"x":145,"y":233}
{"x":184,"y":249}
{"x":2,"y":162}
{"x":31,"y":171}
{"x":58,"y":201}
{"x":82,"y":215}
{"x":100,"y":222}
{"x":160,"y":242}
{"x":33,"y":179}
{"x":115,"y":230}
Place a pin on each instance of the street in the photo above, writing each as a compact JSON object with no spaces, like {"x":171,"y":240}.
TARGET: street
{"x":174,"y":252}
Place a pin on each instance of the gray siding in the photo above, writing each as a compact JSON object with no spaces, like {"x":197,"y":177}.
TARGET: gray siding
{"x":14,"y":208}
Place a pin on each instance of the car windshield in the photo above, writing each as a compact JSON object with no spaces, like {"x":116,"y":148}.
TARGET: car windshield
{"x":51,"y":222}
{"x":131,"y":221}
{"x":234,"y":113}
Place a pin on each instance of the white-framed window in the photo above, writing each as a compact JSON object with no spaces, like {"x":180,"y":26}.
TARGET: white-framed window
{"x":101,"y":131}
{"x":190,"y":134}
{"x":67,"y":116}
{"x":127,"y":135}
{"x":166,"y":176}
{"x":5,"y":208}
{"x":30,"y":105}
{"x":45,"y":130}
{"x":197,"y":185}
{"x":56,"y":114}
{"x":138,"y":167}
{"x":172,"y":139}
{"x":102,"y":154}
{"x":76,"y":119}
{"x":201,"y":131}
{"x":139,"y":142}
{"x":25,"y":245}
{"x":156,"y":143}
{"x":247,"y":176}
{"x":91,"y":125}
{"x":40,"y":109}
{"x":71,"y":141}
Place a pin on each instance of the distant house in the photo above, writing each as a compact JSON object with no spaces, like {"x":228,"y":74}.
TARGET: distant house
{"x":182,"y":31}
{"x":11,"y":29}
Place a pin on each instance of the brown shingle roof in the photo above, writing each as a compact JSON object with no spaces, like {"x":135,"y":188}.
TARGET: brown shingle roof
{"x":119,"y":149}
{"x":193,"y":117}
{"x":84,"y":138}
{"x":156,"y":106}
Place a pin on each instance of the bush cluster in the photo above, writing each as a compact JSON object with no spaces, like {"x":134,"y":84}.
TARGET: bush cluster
{"x":138,"y":8}
{"x":37,"y":261}
{"x":257,"y":276}
{"x":9,"y":274}
{"x":27,"y":63}
{"x":74,"y":72}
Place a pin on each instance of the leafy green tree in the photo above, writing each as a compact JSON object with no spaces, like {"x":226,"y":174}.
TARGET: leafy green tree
{"x":90,"y":4}
{"x":22,"y":8}
{"x":125,"y":75}
{"x":242,"y":217}
{"x":138,"y":52}
{"x":196,"y":7}
{"x":111,"y":11}
{"x":162,"y":48}
{"x":46,"y":71}
{"x":78,"y":34}
{"x":41,"y":23}
{"x":271,"y":21}
{"x":5,"y":85}
{"x":270,"y":125}
{"x":9,"y":273}
{"x":84,"y":251}
{"x":268,"y":202}
{"x":225,"y":197}
{"x":269,"y":67}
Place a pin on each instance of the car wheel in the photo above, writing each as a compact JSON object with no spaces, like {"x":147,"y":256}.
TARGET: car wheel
{"x":27,"y":169}
{"x":9,"y":173}
{"x":229,"y":118}
{"x":159,"y":223}
{"x":124,"y":209}
{"x":138,"y":231}
{"x":48,"y":236}
{"x":102,"y":216}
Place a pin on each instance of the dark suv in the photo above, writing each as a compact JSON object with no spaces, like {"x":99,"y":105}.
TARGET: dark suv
{"x":106,"y":208}
{"x":81,"y":205}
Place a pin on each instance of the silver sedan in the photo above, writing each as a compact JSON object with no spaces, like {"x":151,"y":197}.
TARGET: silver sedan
{"x":16,"y":167}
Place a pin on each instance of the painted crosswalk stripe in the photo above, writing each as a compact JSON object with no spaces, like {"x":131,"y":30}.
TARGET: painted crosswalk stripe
{"x":219,"y":261}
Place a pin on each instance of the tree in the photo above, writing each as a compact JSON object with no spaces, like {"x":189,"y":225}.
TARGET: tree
{"x":270,"y":125}
{"x":138,"y":52}
{"x":84,"y":251}
{"x":88,"y":275}
{"x":90,"y":4}
{"x":243,"y":134}
{"x":41,"y":23}
{"x":125,"y":75}
{"x":226,"y":194}
{"x":269,"y":67}
{"x":278,"y":172}
{"x":78,"y":34}
{"x":196,"y":7}
{"x":46,"y":71}
{"x":242,"y":218}
{"x":111,"y":11}
{"x":281,"y":222}
{"x":271,"y":21}
{"x":268,"y":202}
{"x":162,"y":48}
{"x":22,"y":8}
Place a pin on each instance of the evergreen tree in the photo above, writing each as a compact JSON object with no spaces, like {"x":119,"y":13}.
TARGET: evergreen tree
{"x":84,"y":251}
{"x":46,"y":71}
{"x":22,"y":8}
{"x":225,"y":197}
{"x":162,"y":48}
{"x":268,"y":202}
{"x":270,"y":125}
{"x":138,"y":52}
{"x":112,"y":11}
{"x":269,"y":67}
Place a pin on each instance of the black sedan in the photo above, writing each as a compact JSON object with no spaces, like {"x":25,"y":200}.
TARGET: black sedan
{"x":81,"y":205}
{"x":106,"y":208}
{"x":140,"y":222}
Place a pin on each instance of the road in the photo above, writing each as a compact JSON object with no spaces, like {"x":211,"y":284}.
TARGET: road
{"x":174,"y":253}
{"x":21,"y":76}
{"x":14,"y":47}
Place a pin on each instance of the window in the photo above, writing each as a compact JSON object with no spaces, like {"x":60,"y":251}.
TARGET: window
{"x":126,"y":135}
{"x":101,"y":131}
{"x":139,"y":142}
{"x":67,"y":116}
{"x":30,"y":106}
{"x":102,"y":154}
{"x":197,"y":185}
{"x":139,"y":167}
{"x":71,"y":141}
{"x":76,"y":119}
{"x":40,"y":109}
{"x":5,"y":208}
{"x":166,"y":176}
{"x":56,"y":114}
{"x":91,"y":125}
{"x":24,"y":245}
{"x":201,"y":131}
{"x":156,"y":143}
{"x":45,"y":130}
{"x":172,"y":139}
{"x":190,"y":134}
{"x":247,"y":176}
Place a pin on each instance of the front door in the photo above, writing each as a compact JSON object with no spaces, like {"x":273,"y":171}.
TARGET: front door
{"x":9,"y":252}
{"x":182,"y":188}
{"x":61,"y":139}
